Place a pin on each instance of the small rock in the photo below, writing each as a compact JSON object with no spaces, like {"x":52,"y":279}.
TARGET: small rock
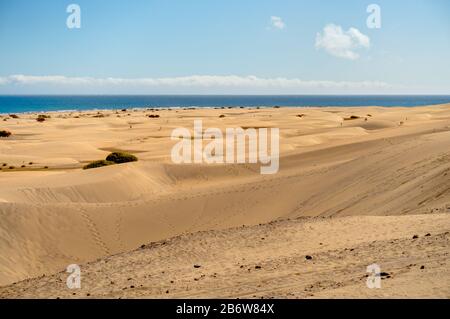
{"x":308,"y":257}
{"x":257,"y":267}
{"x":422,"y":267}
{"x":428,"y":235}
{"x":197,"y":266}
{"x":415,"y":237}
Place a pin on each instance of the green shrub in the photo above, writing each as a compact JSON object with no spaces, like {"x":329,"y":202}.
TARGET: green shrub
{"x":121,"y":157}
{"x":5,"y":133}
{"x":42,"y":117}
{"x":96,"y":164}
{"x":353,"y":117}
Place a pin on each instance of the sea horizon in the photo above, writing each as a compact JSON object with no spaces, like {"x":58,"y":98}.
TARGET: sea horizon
{"x":80,"y":102}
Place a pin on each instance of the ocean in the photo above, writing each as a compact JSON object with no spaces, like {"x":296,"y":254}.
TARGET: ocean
{"x":43,"y":103}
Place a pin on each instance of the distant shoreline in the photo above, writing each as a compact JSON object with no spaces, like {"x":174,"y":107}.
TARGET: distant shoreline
{"x":164,"y":108}
{"x":55,"y":103}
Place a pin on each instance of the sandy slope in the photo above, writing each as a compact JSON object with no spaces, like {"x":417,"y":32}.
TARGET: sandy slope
{"x":397,"y":162}
{"x":269,"y":261}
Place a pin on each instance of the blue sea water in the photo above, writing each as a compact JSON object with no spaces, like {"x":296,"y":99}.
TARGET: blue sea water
{"x":37,"y":103}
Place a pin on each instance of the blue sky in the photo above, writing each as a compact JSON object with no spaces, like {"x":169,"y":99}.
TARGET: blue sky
{"x":224,"y":46}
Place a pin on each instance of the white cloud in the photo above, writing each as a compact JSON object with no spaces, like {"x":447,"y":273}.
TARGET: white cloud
{"x":194,"y":83}
{"x":4,"y":80}
{"x":342,"y":44}
{"x":277,"y":22}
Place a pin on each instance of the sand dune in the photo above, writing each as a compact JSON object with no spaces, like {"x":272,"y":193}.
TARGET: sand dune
{"x":392,"y":163}
{"x":270,"y":261}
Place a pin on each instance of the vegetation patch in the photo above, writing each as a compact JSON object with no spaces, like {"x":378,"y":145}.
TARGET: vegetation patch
{"x":121,"y":157}
{"x":42,"y":117}
{"x":353,"y":117}
{"x":5,"y":133}
{"x":112,"y":159}
{"x":96,"y":164}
